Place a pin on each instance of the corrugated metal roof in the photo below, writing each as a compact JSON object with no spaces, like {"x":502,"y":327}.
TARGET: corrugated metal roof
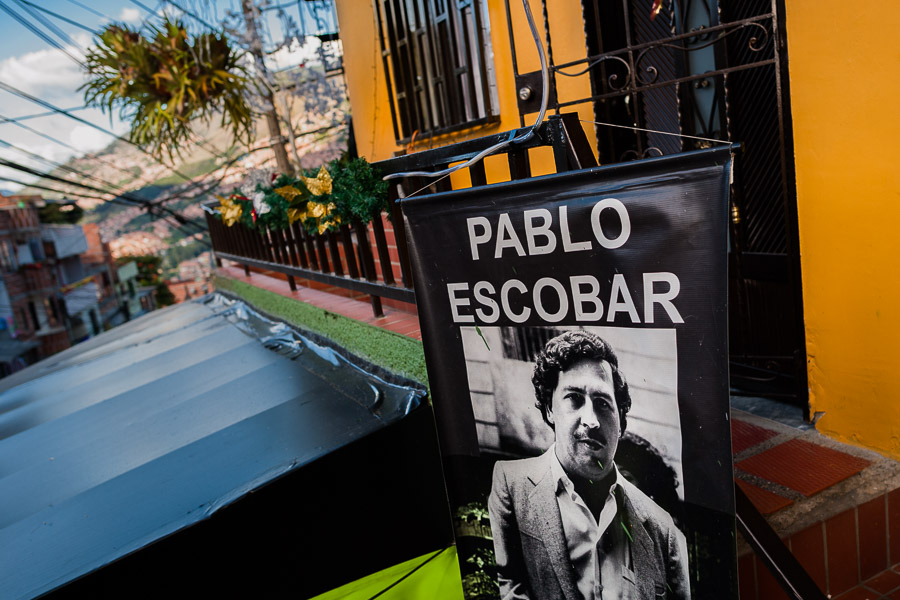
{"x":155,"y":425}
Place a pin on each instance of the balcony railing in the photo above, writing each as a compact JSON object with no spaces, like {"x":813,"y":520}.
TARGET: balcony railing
{"x":373,"y":258}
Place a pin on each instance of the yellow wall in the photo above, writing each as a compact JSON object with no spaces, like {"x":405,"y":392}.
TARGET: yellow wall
{"x":845,"y":84}
{"x":368,"y":90}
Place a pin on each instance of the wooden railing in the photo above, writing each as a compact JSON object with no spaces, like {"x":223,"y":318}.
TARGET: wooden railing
{"x":373,"y":258}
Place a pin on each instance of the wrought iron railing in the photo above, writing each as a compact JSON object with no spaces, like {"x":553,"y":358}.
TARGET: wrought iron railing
{"x":359,"y":257}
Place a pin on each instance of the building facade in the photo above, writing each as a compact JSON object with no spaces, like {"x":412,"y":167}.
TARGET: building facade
{"x":811,"y":321}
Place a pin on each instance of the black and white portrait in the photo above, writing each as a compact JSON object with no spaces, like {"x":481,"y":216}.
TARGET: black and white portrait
{"x":587,"y":487}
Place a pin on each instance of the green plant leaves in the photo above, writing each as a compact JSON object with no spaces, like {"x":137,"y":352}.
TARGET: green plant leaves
{"x":163,"y":82}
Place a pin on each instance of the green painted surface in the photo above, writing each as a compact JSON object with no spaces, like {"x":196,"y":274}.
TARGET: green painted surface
{"x":396,"y":353}
{"x":436,"y":578}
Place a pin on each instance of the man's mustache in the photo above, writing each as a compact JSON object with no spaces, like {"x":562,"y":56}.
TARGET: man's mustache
{"x":590,"y":435}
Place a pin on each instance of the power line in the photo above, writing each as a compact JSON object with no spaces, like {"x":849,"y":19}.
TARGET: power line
{"x":59,"y":16}
{"x":147,"y":8}
{"x":50,"y":189}
{"x":20,"y":167}
{"x":57,"y":165}
{"x":148,"y":206}
{"x":42,"y":114}
{"x":173,"y":220}
{"x":30,"y":27}
{"x":190,"y":14}
{"x":65,"y":37}
{"x":89,"y":9}
{"x":61,"y":143}
{"x":45,"y":104}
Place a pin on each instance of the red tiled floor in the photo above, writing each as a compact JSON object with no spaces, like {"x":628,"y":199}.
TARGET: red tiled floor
{"x":744,"y":435}
{"x":884,"y":582}
{"x":802,"y":466}
{"x":859,"y":593}
{"x":767,"y":586}
{"x":872,"y":538}
{"x":765,"y":501}
{"x":809,"y":548}
{"x":840,"y":539}
{"x":746,"y":578}
{"x":894,"y":526}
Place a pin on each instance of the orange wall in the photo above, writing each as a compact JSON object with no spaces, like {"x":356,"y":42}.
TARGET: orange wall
{"x":368,"y":91}
{"x":845,"y":81}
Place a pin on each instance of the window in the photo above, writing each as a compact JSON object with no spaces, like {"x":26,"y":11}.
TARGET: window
{"x":438,"y":64}
{"x":8,"y":256}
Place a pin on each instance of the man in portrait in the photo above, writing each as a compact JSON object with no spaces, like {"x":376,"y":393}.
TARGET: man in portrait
{"x":567,"y":524}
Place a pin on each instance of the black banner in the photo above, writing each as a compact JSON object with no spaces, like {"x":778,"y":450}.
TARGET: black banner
{"x":575,"y":331}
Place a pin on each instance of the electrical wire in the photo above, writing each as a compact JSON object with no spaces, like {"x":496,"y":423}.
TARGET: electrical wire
{"x":48,"y":113}
{"x":61,"y":143}
{"x":57,"y":165}
{"x":172,"y":220}
{"x":190,"y":14}
{"x":16,"y":91}
{"x":65,"y":37}
{"x":50,"y":189}
{"x":633,"y":128}
{"x":147,"y":8}
{"x":134,"y":201}
{"x":59,"y":16}
{"x":30,"y":27}
{"x":545,"y":95}
{"x":89,"y":9}
{"x":137,"y":202}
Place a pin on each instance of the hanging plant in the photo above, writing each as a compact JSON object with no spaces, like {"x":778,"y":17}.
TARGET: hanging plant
{"x":165,"y":82}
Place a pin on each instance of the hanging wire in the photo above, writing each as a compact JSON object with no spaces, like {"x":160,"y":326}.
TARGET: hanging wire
{"x":48,"y":113}
{"x":633,"y":128}
{"x":89,"y":9}
{"x":61,"y":143}
{"x":45,"y":104}
{"x":545,"y":95}
{"x":30,"y":27}
{"x":59,"y":16}
{"x":191,"y":14}
{"x":147,"y":9}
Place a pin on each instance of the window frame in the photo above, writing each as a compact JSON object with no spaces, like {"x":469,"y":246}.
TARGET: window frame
{"x":437,"y":60}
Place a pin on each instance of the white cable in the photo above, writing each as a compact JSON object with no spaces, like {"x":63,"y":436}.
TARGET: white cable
{"x":545,"y":95}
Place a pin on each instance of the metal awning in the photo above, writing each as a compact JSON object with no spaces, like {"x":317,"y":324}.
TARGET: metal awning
{"x":158,"y":424}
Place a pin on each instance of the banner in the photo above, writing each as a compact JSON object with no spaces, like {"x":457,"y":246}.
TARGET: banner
{"x":575,"y":332}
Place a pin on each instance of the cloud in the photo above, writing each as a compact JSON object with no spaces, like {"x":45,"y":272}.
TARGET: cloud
{"x":88,"y":139}
{"x":129,"y":15}
{"x":47,"y":74}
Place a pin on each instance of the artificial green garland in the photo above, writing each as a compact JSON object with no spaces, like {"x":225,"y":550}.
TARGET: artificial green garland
{"x":343,"y":191}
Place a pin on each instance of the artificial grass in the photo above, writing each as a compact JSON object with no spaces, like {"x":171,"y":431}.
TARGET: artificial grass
{"x":391,"y":351}
{"x":434,"y":576}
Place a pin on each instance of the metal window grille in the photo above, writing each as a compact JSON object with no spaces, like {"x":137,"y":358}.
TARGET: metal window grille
{"x":434,"y":54}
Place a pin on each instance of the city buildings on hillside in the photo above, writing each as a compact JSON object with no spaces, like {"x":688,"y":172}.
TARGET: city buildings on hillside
{"x":58,"y":285}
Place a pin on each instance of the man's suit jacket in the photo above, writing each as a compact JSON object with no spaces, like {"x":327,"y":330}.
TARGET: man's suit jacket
{"x":530,"y":546}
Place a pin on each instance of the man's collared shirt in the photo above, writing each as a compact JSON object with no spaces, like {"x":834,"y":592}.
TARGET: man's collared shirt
{"x":599,"y":550}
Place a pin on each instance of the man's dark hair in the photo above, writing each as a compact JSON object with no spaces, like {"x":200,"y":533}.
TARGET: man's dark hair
{"x":561,"y":353}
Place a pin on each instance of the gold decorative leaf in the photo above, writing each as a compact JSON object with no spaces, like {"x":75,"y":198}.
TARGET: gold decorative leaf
{"x":320,"y":184}
{"x":295,"y":214}
{"x":231,"y":211}
{"x":288,"y":192}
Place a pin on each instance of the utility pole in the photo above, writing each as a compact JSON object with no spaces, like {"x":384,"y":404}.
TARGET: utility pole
{"x":256,"y":49}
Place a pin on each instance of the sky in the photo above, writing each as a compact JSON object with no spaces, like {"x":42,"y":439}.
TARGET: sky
{"x":32,"y":65}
